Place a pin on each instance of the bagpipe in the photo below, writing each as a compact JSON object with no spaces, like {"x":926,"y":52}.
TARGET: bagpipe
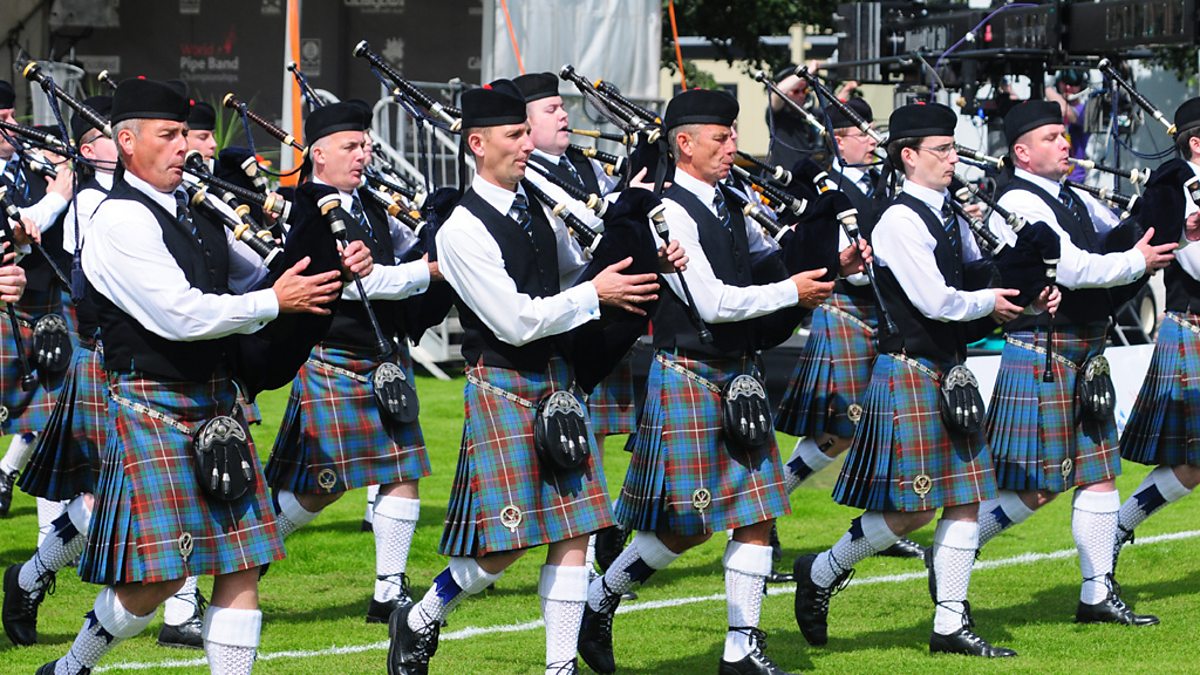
{"x":243,"y":227}
{"x":449,"y":116}
{"x":34,"y":73}
{"x":641,"y":129}
{"x":12,"y":213}
{"x":804,"y":114}
{"x":233,"y":194}
{"x":1106,"y":67}
{"x":1030,"y":265}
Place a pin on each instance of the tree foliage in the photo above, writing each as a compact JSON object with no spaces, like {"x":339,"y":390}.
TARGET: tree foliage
{"x":734,"y":27}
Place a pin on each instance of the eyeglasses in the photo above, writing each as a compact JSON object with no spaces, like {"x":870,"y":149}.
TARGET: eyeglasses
{"x":939,"y":151}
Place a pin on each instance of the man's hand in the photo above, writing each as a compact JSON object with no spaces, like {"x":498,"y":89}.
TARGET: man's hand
{"x":974,"y":211}
{"x":854,"y":259}
{"x":1191,"y":228}
{"x":299,"y":294}
{"x":812,"y":292}
{"x":671,"y":258}
{"x":843,"y":92}
{"x":12,"y":278}
{"x":356,"y":259}
{"x":435,"y":274}
{"x":626,"y":291}
{"x":1005,"y":310}
{"x":1048,"y":299}
{"x":26,"y":233}
{"x":1157,"y":257}
{"x":61,"y":183}
{"x":639,"y":181}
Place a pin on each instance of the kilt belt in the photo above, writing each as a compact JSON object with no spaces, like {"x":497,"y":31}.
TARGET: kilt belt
{"x":337,"y":370}
{"x":694,"y":377}
{"x":917,"y":365}
{"x":503,"y":393}
{"x":851,"y":318}
{"x":1041,"y":350}
{"x":153,"y":414}
{"x":1176,"y":317}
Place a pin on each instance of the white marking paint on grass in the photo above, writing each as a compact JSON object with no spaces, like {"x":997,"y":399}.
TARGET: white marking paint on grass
{"x":472,"y":631}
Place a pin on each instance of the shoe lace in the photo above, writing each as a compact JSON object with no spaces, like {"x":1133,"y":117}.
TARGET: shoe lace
{"x":46,"y":585}
{"x":839,"y":584}
{"x":399,"y":579}
{"x":426,"y":642}
{"x":1124,"y":537}
{"x":569,"y":667}
{"x":964,"y":610}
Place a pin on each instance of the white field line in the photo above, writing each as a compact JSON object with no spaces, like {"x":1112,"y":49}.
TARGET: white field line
{"x":472,"y":631}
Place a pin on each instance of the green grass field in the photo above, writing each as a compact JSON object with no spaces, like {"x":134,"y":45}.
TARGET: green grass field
{"x":315,"y":600}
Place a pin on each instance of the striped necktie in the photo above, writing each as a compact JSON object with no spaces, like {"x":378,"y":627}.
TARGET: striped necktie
{"x":721,"y":209}
{"x":181,"y":212}
{"x":520,"y":213}
{"x":570,"y":168}
{"x":356,"y":210}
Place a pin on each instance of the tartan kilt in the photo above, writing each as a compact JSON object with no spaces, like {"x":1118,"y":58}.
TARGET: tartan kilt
{"x":334,"y":437}
{"x":1164,"y":427}
{"x":1037,"y":442}
{"x":684,"y":477}
{"x":152,"y":521}
{"x":612,"y":406}
{"x":28,"y":411}
{"x":250,"y":411}
{"x":67,"y":459}
{"x":832,"y":372}
{"x":903,"y":456}
{"x":503,"y":498}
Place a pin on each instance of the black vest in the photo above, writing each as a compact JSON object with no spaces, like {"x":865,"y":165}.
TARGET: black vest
{"x":39,"y":276}
{"x":532,"y":263}
{"x":351,"y":329}
{"x":1078,"y":306}
{"x":728,"y":252}
{"x":582,"y":164}
{"x":128,"y":346}
{"x":943,"y":342}
{"x":1183,"y":290}
{"x":85,"y":307}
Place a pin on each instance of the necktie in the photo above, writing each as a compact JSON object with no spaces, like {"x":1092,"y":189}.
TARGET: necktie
{"x":13,"y":176}
{"x":181,"y":212}
{"x":721,"y":208}
{"x":356,"y":210}
{"x":1079,"y":211}
{"x":520,"y":213}
{"x":870,"y":177}
{"x":950,"y":225}
{"x":570,"y":168}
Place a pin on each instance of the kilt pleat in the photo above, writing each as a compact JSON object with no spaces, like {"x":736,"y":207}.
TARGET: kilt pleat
{"x":335,"y":438}
{"x":832,"y":372}
{"x":503,"y":498}
{"x":27,"y":411}
{"x":1164,"y":427}
{"x":1038,"y":436}
{"x":683,"y":476}
{"x":612,"y":406}
{"x":152,"y":521}
{"x":903,"y":456}
{"x":66,"y":461}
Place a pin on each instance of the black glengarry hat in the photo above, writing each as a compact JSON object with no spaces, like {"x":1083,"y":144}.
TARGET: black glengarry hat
{"x":202,"y":117}
{"x":536,"y":86}
{"x":332,"y":118}
{"x":79,"y":126}
{"x":1029,"y":115}
{"x":149,"y":99}
{"x":839,"y":120}
{"x":1187,"y":116}
{"x":701,"y":106}
{"x":918,"y":120}
{"x":8,"y":95}
{"x":492,"y":105}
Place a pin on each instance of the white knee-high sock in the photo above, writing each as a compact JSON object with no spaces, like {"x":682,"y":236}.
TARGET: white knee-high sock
{"x":231,"y":639}
{"x":291,"y":516}
{"x":106,"y":625}
{"x":954,"y":545}
{"x":563,"y":591}
{"x":644,"y":556}
{"x":1094,"y":526}
{"x":20,"y":449}
{"x":64,"y":544}
{"x":395,"y":523}
{"x":372,"y":494}
{"x":746,"y":570}
{"x":998,"y":514}
{"x":1161,"y":487}
{"x":183,"y":605}
{"x":463,"y":577}
{"x":48,"y":511}
{"x":806,"y":460}
{"x":868,"y":535}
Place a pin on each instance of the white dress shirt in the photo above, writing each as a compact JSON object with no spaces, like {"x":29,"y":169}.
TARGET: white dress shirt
{"x":903,"y":244}
{"x":127,"y":261}
{"x":473,"y":264}
{"x":1076,"y":268}
{"x":716,"y":301}
{"x":1189,"y":256}
{"x":43,"y":213}
{"x":84,"y":204}
{"x":387,"y":282}
{"x":576,"y":207}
